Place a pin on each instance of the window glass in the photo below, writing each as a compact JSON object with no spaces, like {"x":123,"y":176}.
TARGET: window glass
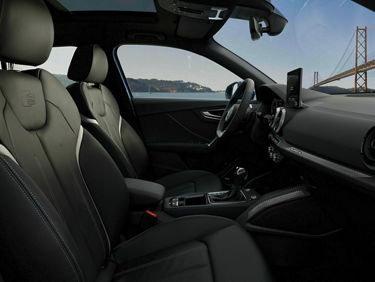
{"x":57,"y":64}
{"x":163,"y":72}
{"x":320,"y":37}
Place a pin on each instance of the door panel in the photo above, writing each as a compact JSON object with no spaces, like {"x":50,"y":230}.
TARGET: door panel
{"x":177,"y":120}
{"x":176,"y":132}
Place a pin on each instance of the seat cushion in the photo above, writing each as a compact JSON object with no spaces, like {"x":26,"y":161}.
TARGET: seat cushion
{"x":194,"y":248}
{"x":190,"y":181}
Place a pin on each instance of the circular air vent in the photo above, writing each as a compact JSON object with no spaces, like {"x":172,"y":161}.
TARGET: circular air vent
{"x":368,"y":149}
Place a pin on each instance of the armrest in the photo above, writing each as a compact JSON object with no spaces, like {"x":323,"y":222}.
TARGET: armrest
{"x":144,"y":193}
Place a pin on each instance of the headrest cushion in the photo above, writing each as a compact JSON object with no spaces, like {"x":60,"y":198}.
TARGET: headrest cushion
{"x":89,"y":64}
{"x":26,"y":32}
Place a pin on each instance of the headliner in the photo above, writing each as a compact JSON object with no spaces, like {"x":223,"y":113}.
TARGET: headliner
{"x":115,"y":27}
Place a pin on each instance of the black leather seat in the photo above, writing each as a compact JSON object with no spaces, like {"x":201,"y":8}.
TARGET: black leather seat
{"x":63,"y":201}
{"x":101,"y":116}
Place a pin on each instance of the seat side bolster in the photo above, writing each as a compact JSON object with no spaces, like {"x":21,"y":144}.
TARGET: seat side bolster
{"x":116,"y":153}
{"x":136,"y":149}
{"x":106,"y":185}
{"x":232,"y":253}
{"x":31,"y":223}
{"x":169,"y":234}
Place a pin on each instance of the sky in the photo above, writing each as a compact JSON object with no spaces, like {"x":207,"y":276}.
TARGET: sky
{"x":173,"y":64}
{"x":315,"y":38}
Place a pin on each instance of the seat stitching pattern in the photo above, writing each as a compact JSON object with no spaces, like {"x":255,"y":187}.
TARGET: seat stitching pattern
{"x":5,"y":122}
{"x":18,"y":179}
{"x":135,"y":238}
{"x":209,"y":259}
{"x":60,"y":182}
{"x":61,"y":112}
{"x":96,"y":224}
{"x":39,"y":71}
{"x":92,"y":200}
{"x":158,"y":261}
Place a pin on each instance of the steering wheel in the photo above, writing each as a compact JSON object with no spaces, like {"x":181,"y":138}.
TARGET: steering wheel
{"x":235,"y":112}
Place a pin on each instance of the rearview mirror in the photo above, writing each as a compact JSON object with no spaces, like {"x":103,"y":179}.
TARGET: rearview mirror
{"x":255,"y":28}
{"x":267,"y":20}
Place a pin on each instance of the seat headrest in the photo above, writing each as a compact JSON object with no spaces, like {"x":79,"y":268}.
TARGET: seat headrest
{"x":89,"y":64}
{"x":26,"y":32}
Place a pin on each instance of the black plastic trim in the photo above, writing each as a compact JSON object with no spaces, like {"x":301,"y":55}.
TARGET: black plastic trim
{"x":349,"y":174}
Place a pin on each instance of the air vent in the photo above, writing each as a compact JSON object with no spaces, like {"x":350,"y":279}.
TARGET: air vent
{"x":278,"y":119}
{"x":368,"y":148}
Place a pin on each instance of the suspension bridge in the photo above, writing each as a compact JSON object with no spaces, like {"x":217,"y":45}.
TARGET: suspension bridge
{"x":357,"y":45}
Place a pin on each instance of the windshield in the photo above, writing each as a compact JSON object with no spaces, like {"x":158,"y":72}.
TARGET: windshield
{"x":320,"y":37}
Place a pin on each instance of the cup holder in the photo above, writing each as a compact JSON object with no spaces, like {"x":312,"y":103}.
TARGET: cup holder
{"x":189,"y":200}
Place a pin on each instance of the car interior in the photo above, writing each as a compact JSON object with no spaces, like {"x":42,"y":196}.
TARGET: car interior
{"x":267,"y":183}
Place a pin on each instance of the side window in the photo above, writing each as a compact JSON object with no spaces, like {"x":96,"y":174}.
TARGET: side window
{"x":164,"y":72}
{"x":57,"y":63}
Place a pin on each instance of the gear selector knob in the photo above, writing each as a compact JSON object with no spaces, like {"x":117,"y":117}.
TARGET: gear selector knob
{"x":239,"y":177}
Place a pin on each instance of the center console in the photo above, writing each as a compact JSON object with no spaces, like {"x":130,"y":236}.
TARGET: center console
{"x":230,"y":203}
{"x":220,"y":203}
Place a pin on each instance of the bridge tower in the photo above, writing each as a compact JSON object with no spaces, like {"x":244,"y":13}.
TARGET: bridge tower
{"x":316,"y":78}
{"x":360,"y":80}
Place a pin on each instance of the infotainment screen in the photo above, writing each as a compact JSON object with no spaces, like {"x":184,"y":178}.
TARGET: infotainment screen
{"x":293,"y":88}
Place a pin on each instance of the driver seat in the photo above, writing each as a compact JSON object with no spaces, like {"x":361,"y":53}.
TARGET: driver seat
{"x":101,"y":116}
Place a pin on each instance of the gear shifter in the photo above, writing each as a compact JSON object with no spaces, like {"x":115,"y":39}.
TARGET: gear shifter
{"x":239,"y":177}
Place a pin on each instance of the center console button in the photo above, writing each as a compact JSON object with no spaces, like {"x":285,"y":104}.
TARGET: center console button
{"x":174,"y":202}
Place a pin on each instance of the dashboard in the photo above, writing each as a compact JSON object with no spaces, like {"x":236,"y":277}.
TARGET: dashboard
{"x":334,"y":133}
{"x":276,"y":103}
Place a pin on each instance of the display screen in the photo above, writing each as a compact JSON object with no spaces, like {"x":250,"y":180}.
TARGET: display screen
{"x":293,"y":91}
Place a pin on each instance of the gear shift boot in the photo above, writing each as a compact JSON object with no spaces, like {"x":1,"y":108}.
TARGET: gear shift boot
{"x":234,"y":194}
{"x":226,"y":196}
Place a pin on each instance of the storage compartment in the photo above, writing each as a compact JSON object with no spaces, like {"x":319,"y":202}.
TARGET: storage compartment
{"x":200,"y":203}
{"x":292,"y":219}
{"x":195,"y":200}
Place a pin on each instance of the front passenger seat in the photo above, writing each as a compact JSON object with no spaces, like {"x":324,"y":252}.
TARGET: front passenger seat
{"x":101,"y":116}
{"x":63,"y":201}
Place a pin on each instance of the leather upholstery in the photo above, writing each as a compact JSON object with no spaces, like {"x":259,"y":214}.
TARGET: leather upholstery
{"x":102,"y":113}
{"x":63,"y":203}
{"x":98,"y":103}
{"x":89,"y":63}
{"x":49,"y":188}
{"x":25,"y":96}
{"x":192,"y":248}
{"x":144,"y":194}
{"x":20,"y":41}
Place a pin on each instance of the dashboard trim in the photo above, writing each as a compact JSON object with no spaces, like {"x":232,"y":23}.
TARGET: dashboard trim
{"x":357,"y":177}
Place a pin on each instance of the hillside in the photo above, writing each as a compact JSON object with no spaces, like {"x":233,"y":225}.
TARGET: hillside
{"x":337,"y":90}
{"x":152,"y":85}
{"x":156,"y":85}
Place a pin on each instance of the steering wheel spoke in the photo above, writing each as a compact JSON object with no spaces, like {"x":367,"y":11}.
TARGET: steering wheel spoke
{"x":235,"y":112}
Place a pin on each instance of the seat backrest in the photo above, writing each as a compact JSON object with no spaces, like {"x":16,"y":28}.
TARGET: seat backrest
{"x":101,"y":111}
{"x":59,"y":215}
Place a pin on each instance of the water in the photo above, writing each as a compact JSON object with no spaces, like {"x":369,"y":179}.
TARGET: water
{"x":181,"y":95}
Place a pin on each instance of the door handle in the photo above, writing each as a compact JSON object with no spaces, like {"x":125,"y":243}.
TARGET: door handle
{"x":213,"y":114}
